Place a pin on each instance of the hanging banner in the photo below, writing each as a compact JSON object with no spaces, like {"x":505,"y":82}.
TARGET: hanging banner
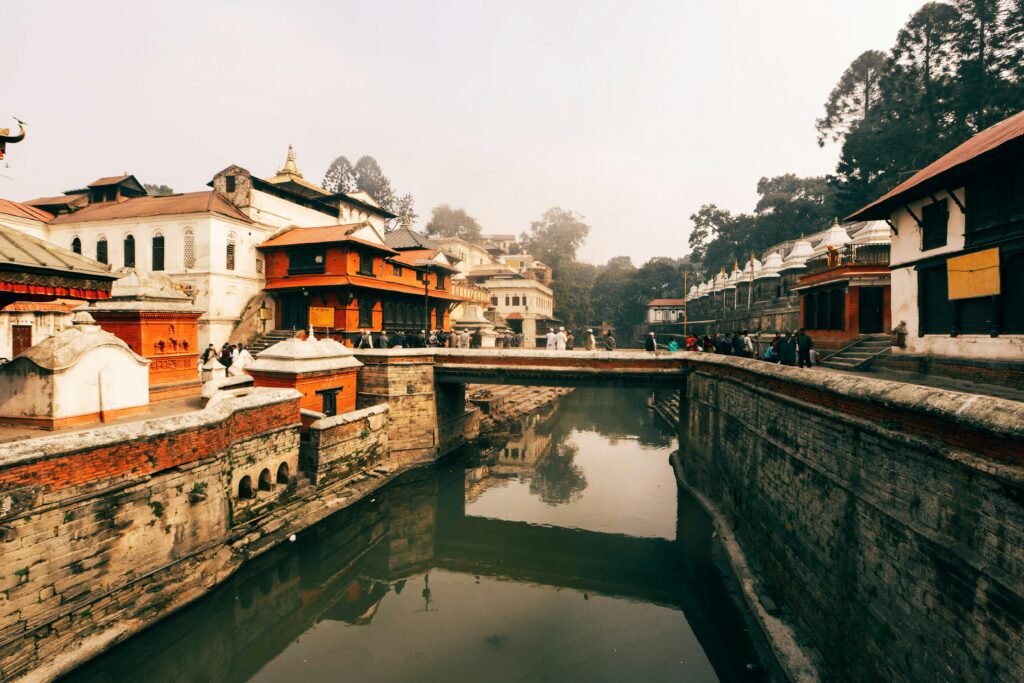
{"x":973,"y":275}
{"x":321,"y":316}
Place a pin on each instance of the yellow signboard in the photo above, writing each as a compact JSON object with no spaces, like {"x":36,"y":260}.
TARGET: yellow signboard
{"x":321,"y":316}
{"x":974,"y":275}
{"x":266,"y":313}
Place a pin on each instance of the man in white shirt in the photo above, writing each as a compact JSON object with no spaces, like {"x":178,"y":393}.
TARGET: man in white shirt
{"x":560,"y":339}
{"x":552,"y":340}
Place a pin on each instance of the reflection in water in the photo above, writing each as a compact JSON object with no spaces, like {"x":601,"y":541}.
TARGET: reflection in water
{"x":419,"y":584}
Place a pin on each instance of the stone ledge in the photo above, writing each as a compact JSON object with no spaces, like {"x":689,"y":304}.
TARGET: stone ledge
{"x":350,"y":417}
{"x":56,"y":445}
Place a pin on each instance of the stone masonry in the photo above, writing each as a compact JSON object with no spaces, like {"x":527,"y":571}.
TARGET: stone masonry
{"x":885,"y":519}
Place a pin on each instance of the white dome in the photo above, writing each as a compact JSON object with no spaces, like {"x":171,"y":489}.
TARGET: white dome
{"x":772,"y":265}
{"x":836,"y":236}
{"x":872,"y":232}
{"x":753,"y":266}
{"x":798,"y":255}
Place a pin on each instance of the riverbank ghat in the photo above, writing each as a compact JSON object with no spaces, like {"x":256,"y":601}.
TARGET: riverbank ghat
{"x":884,"y":518}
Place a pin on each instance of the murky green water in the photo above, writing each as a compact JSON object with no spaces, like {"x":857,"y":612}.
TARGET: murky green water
{"x":567,"y":554}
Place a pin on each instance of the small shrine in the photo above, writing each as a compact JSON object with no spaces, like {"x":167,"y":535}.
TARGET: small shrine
{"x":159,"y":322}
{"x":78,"y":376}
{"x":323,"y":370}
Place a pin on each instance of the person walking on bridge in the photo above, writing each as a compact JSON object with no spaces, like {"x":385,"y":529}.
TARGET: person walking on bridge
{"x":551,"y":339}
{"x":591,"y":342}
{"x":609,"y":341}
{"x":651,"y":344}
{"x":560,"y":339}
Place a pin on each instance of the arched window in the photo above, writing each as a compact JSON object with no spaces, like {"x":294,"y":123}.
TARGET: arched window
{"x":245,"y":487}
{"x":190,"y":249}
{"x":129,"y":251}
{"x":101,"y":249}
{"x":265,"y":482}
{"x":158,"y":252}
{"x":230,"y":254}
{"x":76,"y":245}
{"x":282,"y":473}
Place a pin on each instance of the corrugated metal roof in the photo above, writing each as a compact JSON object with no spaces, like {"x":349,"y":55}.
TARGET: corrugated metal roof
{"x":307,"y":281}
{"x":21,"y":249}
{"x":109,"y":180}
{"x":328,"y":234}
{"x":404,"y":238}
{"x":410,"y":257}
{"x":944,"y":167}
{"x":24,"y":211}
{"x":142,"y":207}
{"x":666,"y":302}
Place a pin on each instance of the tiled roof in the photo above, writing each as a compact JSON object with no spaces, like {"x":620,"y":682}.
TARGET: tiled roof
{"x":41,"y":306}
{"x":944,"y":168}
{"x":328,"y":234}
{"x":404,"y":238}
{"x":21,"y":249}
{"x":666,"y":302}
{"x":142,"y":207}
{"x":24,"y":211}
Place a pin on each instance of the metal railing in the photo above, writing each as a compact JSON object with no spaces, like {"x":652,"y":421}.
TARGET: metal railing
{"x":874,"y":254}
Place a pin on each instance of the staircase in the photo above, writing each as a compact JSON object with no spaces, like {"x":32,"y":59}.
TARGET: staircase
{"x":859,"y":353}
{"x":269,"y":339}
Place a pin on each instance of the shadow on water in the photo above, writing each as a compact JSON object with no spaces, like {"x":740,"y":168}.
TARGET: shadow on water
{"x":373,"y":575}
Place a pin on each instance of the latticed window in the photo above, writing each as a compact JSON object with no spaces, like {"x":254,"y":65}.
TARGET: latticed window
{"x":129,"y":251}
{"x":259,"y":266}
{"x":190,"y":249}
{"x":158,"y":252}
{"x":101,"y":250}
{"x":230,"y":258}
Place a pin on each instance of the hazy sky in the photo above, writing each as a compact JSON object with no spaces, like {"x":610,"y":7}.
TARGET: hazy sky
{"x":631,"y":113}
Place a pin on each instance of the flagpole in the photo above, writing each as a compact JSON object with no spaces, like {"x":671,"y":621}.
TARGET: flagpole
{"x":684,"y":303}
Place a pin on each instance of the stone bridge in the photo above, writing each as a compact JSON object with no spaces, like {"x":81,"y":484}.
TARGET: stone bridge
{"x":426,"y":388}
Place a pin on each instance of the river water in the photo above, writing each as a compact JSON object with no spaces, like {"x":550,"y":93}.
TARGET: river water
{"x":565,"y":553}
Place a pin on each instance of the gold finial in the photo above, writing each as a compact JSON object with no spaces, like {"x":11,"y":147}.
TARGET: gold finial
{"x":735,"y":264}
{"x":289,"y":167}
{"x":835,"y":221}
{"x":406,"y":223}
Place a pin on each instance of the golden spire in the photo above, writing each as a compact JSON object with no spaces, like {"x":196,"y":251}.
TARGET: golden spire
{"x":835,"y":221}
{"x":406,"y":222}
{"x":289,"y":167}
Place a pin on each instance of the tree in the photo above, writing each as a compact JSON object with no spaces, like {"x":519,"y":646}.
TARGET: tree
{"x":609,"y":296}
{"x":370,"y":178}
{"x":446,"y":221}
{"x":556,"y":237}
{"x":340,"y":176}
{"x":571,"y":287}
{"x":157,"y":190}
{"x":853,"y":98}
{"x":708,"y":222}
{"x":406,"y":206}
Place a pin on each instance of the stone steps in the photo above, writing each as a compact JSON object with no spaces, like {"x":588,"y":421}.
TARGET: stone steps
{"x":853,"y":357}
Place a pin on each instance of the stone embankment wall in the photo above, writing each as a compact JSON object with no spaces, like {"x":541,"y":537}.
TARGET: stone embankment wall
{"x":104,"y":531}
{"x":886,"y":519}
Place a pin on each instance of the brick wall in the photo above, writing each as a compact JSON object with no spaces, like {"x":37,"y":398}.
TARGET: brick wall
{"x":97,"y":525}
{"x":885,"y":519}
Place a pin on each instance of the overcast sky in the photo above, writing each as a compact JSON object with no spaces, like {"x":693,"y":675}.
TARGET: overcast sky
{"x":631,"y":113}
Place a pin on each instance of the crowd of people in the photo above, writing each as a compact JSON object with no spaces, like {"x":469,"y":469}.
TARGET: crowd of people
{"x":561,"y":340}
{"x":230,"y":355}
{"x":784,"y":349}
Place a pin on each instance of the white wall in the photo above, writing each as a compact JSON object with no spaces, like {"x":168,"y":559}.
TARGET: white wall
{"x":44,"y":324}
{"x":906,"y":249}
{"x":28,"y":226}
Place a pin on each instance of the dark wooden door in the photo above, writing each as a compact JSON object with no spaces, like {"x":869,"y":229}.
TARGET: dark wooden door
{"x":870,"y":310}
{"x":294,"y":311}
{"x":21,"y":337}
